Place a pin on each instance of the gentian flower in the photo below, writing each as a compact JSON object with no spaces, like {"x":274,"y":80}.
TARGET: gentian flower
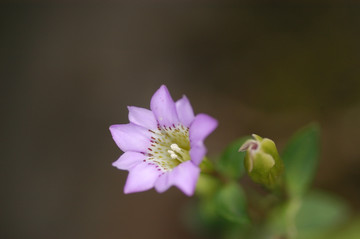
{"x":164,"y":146}
{"x":262,"y":161}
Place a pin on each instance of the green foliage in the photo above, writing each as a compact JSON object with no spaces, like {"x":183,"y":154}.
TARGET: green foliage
{"x":293,"y":212}
{"x":207,"y":186}
{"x":231,"y":204}
{"x":220,"y":210}
{"x":206,"y":166}
{"x":202,"y":218}
{"x":319,"y":212}
{"x":300,"y":158}
{"x":351,"y":231}
{"x":231,"y":163}
{"x":310,"y":217}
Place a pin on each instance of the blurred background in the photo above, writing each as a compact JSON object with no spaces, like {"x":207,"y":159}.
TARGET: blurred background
{"x":69,"y":70}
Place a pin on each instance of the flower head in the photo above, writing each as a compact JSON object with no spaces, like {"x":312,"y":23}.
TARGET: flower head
{"x":262,"y":160}
{"x":162,"y":146}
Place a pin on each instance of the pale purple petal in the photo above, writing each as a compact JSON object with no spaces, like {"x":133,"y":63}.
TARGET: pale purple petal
{"x":184,"y":111}
{"x":201,"y":127}
{"x":184,"y":176}
{"x":163,"y":107}
{"x":163,"y":183}
{"x":142,"y":177}
{"x":128,"y":160}
{"x":131,"y":137}
{"x":197,"y":153}
{"x":142,"y":117}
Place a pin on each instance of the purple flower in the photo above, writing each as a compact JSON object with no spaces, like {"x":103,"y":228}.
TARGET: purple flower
{"x":163,"y":146}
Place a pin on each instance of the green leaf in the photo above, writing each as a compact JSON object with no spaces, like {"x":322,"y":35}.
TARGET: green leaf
{"x":231,"y":204}
{"x":319,"y":213}
{"x":207,"y":185}
{"x":300,"y":158}
{"x":350,"y":231}
{"x":202,"y":218}
{"x":313,"y":216}
{"x":231,"y":163}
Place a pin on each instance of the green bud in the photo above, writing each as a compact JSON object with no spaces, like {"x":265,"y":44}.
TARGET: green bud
{"x":262,"y":161}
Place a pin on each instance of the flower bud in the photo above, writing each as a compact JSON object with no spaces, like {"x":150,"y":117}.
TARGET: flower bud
{"x":262,"y":161}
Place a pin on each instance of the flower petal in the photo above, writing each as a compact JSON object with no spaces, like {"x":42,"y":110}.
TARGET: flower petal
{"x":131,"y":137}
{"x":201,"y":127}
{"x":184,"y":111}
{"x":142,"y":177}
{"x":184,"y":176}
{"x":128,"y":160}
{"x":142,"y":117}
{"x":163,"y":107}
{"x":197,"y":152}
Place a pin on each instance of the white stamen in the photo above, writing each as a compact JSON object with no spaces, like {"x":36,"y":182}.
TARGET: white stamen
{"x":172,"y":154}
{"x":176,"y":148}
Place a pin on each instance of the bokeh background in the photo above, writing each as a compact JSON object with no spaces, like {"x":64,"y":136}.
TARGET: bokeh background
{"x":68,"y":71}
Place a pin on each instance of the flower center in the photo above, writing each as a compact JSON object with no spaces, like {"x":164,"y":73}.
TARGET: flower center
{"x":169,"y":147}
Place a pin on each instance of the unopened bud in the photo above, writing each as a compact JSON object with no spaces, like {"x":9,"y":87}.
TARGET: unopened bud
{"x":262,"y":161}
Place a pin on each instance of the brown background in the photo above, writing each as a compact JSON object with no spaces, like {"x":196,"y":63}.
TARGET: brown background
{"x":68,"y":71}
